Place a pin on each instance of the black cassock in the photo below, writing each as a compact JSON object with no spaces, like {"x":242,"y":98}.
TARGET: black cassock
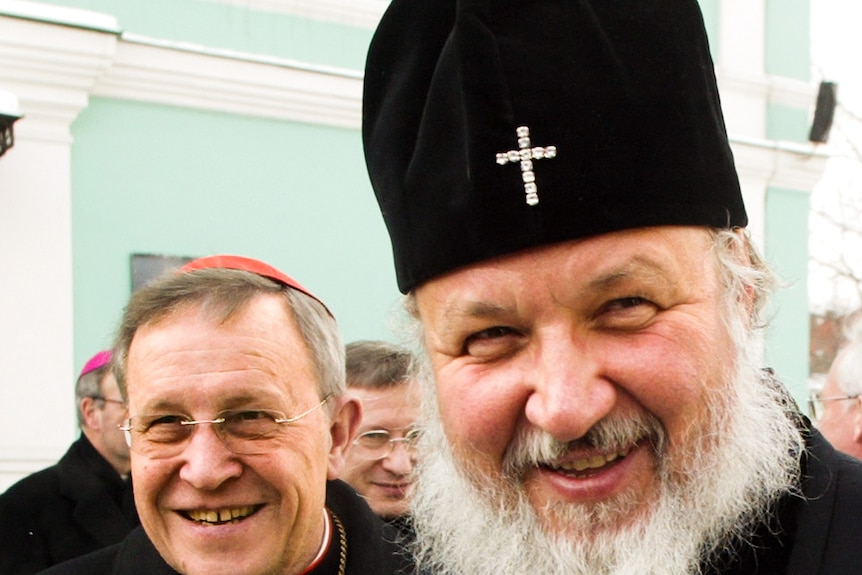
{"x":371,"y":547}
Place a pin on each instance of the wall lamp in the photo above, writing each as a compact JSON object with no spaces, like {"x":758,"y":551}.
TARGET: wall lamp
{"x":9,"y":114}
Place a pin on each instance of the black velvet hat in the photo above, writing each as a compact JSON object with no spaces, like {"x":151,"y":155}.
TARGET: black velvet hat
{"x":493,"y":126}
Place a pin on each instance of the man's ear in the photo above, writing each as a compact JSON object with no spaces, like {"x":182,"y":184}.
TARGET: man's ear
{"x":345,"y":423}
{"x":89,"y":409}
{"x":857,"y":421}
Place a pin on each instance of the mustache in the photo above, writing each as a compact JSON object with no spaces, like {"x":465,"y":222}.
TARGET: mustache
{"x":532,"y":447}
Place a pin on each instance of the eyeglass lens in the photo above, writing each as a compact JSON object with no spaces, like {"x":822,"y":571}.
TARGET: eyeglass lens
{"x":817,"y":405}
{"x":244,"y":432}
{"x":379,"y":443}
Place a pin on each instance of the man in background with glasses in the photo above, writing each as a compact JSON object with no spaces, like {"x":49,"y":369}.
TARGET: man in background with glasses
{"x":379,"y":463}
{"x":233,"y":374}
{"x":82,"y":503}
{"x":837,"y":409}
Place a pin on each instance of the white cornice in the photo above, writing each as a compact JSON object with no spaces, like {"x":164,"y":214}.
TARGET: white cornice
{"x":51,"y":69}
{"x":779,"y":164}
{"x":53,"y":14}
{"x":190,"y":76}
{"x":771,"y":89}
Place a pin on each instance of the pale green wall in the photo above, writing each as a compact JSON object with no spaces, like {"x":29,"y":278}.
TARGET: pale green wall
{"x":230,"y":27}
{"x":788,"y":48}
{"x":156,"y":179}
{"x":710,"y":10}
{"x":788,"y":38}
{"x":787,"y":123}
{"x":787,"y":252}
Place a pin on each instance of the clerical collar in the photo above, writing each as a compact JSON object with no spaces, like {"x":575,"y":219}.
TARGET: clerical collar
{"x":324,"y":544}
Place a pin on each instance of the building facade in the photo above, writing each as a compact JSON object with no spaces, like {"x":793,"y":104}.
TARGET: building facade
{"x":190,"y":127}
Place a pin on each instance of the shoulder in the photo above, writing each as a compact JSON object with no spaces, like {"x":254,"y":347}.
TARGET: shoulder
{"x":134,"y":555}
{"x":827,"y":540}
{"x":34,"y":486}
{"x":99,"y":562}
{"x":372,"y":545}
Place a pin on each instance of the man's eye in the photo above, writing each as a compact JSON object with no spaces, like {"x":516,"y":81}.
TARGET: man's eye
{"x":626,"y":302}
{"x":631,"y":312}
{"x":250,"y":415}
{"x":490,"y":333}
{"x":489,"y":342}
{"x":373,"y":439}
{"x":164,"y":421}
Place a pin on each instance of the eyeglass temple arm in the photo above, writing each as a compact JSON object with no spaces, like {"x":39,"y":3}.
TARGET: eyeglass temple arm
{"x":296,"y":418}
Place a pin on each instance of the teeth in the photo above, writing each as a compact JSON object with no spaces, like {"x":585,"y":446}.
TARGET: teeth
{"x":221,"y":515}
{"x":593,"y":462}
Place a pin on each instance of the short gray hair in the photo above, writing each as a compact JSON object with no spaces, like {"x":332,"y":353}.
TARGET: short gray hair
{"x":89,"y":385}
{"x":222,"y":293}
{"x":377,"y":364}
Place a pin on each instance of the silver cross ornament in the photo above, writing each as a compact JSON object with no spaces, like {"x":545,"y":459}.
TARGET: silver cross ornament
{"x":525,"y":154}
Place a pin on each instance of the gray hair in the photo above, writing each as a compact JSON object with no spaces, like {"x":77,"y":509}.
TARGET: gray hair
{"x":377,"y":364}
{"x":221,"y":294}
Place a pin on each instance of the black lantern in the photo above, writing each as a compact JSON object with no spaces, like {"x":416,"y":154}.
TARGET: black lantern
{"x":9,"y":113}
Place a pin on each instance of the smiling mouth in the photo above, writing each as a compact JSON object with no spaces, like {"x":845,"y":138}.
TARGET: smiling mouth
{"x":221,"y":516}
{"x":588,"y":466}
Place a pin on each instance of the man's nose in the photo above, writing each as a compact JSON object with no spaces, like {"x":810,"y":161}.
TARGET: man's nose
{"x":400,"y":459}
{"x":569,"y":393}
{"x":207,"y":460}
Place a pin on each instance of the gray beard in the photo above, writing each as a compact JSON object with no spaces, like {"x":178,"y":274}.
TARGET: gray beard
{"x":712,"y":495}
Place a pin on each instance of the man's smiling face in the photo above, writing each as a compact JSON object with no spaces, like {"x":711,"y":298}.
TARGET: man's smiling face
{"x":624,"y":327}
{"x":207,"y":509}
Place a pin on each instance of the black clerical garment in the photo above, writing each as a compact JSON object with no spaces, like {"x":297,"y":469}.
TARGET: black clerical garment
{"x":371,"y":547}
{"x":79,"y":505}
{"x":816,"y":533}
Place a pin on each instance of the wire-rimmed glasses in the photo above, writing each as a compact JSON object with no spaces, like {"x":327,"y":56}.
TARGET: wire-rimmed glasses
{"x":816,"y":407}
{"x":379,"y":443}
{"x":243,"y":431}
{"x":108,"y":399}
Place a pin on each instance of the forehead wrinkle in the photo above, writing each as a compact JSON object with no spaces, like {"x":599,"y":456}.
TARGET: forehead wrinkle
{"x":637,"y":267}
{"x":473,"y":309}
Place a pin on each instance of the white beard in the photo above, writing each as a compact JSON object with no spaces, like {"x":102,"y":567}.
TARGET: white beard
{"x":739,"y":463}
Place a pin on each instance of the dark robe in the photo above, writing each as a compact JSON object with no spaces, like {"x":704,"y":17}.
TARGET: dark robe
{"x":816,"y":533}
{"x":371,"y":549}
{"x":74,"y":507}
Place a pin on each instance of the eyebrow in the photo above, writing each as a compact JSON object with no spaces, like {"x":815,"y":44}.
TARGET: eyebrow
{"x":638,"y":267}
{"x":475,"y":309}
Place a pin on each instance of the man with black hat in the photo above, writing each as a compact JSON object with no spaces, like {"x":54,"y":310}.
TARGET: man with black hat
{"x":567,"y":222}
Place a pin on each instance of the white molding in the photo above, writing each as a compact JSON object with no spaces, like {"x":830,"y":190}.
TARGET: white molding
{"x":191,"y":76}
{"x":53,"y":14}
{"x":772,"y":89}
{"x":359,"y":13}
{"x":779,"y":164}
{"x":51,"y":69}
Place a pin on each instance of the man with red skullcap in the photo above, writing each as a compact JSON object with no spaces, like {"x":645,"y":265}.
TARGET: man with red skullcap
{"x":82,"y":503}
{"x":233,"y":377}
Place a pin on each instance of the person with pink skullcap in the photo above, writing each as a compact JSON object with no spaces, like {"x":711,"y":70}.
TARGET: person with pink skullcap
{"x":84,"y":502}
